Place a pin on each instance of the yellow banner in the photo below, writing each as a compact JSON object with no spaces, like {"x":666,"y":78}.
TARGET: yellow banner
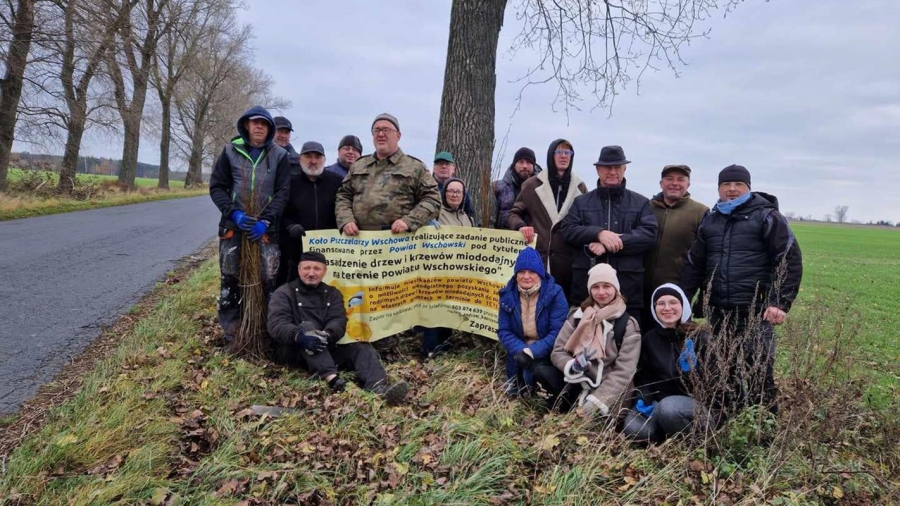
{"x":447,"y":277}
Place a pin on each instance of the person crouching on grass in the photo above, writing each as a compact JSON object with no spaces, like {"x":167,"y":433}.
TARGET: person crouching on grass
{"x":596,"y":352}
{"x":673,"y":361}
{"x":306,"y":321}
{"x":533,"y":308}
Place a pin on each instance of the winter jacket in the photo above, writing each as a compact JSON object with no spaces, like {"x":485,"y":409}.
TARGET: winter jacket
{"x":295,"y":303}
{"x":550,"y":315}
{"x":337,"y":168}
{"x":618,"y":210}
{"x":537,"y":206}
{"x":506,"y":191}
{"x":467,"y":201}
{"x":376,"y":192}
{"x":293,"y":159}
{"x":236,"y":178}
{"x":676,"y":229}
{"x":310,"y":205}
{"x":619,"y":365}
{"x":454,"y":217}
{"x":659,"y":374}
{"x":739,"y":253}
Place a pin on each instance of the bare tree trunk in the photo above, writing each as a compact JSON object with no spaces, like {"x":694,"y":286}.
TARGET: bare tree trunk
{"x":194,"y":175}
{"x":164,"y":141}
{"x":11,"y":85}
{"x":67,"y":169}
{"x":466,"y":126}
{"x":132,"y":139}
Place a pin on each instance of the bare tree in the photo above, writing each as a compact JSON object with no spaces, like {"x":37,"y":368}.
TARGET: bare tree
{"x":21,"y":25}
{"x":841,"y":213}
{"x":581,"y":44}
{"x":135,"y":51}
{"x":220,"y":85}
{"x":177,"y":53}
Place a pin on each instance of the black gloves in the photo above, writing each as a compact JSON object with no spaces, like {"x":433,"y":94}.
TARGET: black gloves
{"x":523,"y":360}
{"x":312,"y":342}
{"x":296,"y":231}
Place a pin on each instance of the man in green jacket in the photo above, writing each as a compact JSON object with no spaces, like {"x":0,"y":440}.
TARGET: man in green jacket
{"x":678,"y":217}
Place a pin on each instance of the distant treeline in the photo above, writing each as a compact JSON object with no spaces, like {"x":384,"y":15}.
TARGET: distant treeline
{"x":86,"y":165}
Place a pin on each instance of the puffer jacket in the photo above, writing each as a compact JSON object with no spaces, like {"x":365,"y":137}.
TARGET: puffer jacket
{"x":237,"y":178}
{"x":618,"y":210}
{"x":550,"y":314}
{"x":739,"y":254}
{"x":619,"y":365}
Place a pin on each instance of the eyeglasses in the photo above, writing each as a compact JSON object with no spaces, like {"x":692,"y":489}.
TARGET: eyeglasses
{"x":567,"y":152}
{"x":383,"y":130}
{"x":454,"y":192}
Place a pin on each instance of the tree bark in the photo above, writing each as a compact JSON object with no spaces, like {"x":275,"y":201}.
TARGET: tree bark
{"x":69,"y":165}
{"x":11,"y":85}
{"x":466,"y":126}
{"x":194,"y":175}
{"x":164,"y":141}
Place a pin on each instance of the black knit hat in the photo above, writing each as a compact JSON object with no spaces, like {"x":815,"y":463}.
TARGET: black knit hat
{"x":735,"y":174}
{"x":525,"y":154}
{"x":313,"y":256}
{"x":352,"y":141}
{"x":665,"y":290}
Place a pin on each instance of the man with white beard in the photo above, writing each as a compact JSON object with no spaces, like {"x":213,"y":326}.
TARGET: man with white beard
{"x":310,"y":205}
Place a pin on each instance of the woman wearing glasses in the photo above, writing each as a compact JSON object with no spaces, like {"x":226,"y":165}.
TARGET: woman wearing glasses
{"x":452,"y":209}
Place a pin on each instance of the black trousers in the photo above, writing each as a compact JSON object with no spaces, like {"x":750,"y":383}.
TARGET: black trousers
{"x":563,"y":396}
{"x":360,"y":358}
{"x":752,"y":369}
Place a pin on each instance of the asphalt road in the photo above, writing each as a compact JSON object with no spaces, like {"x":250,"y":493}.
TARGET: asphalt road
{"x":63,"y":277}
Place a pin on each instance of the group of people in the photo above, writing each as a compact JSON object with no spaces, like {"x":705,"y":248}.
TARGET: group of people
{"x":597,"y":315}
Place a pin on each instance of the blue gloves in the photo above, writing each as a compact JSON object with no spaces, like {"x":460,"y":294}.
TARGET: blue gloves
{"x":688,"y":358}
{"x":244,"y":222}
{"x":644,"y":409}
{"x":258,"y":230}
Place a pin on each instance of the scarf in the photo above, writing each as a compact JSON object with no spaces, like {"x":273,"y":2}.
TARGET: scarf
{"x":531,"y":291}
{"x":593,"y":328}
{"x":727,"y":207}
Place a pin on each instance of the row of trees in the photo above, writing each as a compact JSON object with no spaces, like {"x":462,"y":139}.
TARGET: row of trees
{"x":73,"y":65}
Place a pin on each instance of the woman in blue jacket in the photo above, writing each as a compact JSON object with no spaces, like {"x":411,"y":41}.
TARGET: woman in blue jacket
{"x":533,"y":309}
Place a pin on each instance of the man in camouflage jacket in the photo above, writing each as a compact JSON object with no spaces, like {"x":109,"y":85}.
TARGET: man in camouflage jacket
{"x":388,"y":189}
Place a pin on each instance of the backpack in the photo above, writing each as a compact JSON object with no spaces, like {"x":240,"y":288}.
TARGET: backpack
{"x":618,"y":328}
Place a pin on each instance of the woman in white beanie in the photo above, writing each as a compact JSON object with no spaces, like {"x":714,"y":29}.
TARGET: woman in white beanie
{"x":596,"y":352}
{"x":673,"y":372}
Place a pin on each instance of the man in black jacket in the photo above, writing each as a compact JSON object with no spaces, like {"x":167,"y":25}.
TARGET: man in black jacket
{"x":306,"y":321}
{"x":310,"y":205}
{"x":612,"y":225}
{"x":748,"y":259}
{"x":249,"y":185}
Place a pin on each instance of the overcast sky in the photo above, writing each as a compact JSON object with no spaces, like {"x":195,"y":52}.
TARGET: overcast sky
{"x":806,"y":95}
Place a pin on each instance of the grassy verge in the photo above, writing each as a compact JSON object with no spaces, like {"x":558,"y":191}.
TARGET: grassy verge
{"x":164,"y":420}
{"x":31,"y":194}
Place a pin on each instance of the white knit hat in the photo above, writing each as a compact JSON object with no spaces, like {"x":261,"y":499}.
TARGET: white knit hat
{"x":602,"y":273}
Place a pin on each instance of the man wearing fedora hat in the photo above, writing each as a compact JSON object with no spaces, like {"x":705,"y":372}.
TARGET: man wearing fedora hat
{"x":678,"y":217}
{"x":611,"y":225}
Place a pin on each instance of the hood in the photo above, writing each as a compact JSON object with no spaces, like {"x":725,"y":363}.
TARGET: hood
{"x":444,"y":192}
{"x":551,"y":165}
{"x":685,"y":302}
{"x":256,"y":110}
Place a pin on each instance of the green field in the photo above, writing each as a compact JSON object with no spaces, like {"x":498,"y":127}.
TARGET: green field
{"x":851,"y":274}
{"x":163,"y":418}
{"x":140,"y":182}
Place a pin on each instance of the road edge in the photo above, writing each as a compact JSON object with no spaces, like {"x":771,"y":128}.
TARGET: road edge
{"x":15,"y":427}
